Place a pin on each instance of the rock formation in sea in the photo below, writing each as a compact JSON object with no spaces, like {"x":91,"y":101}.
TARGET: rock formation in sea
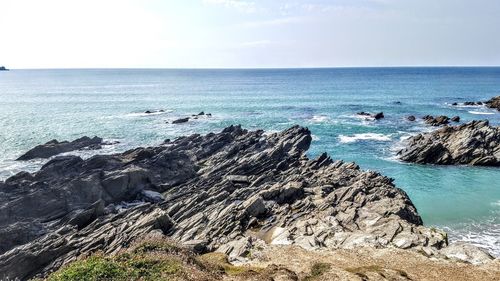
{"x":230,"y":192}
{"x":436,"y":121}
{"x":493,"y":103}
{"x":55,"y":147}
{"x":375,"y":116}
{"x":474,"y":143}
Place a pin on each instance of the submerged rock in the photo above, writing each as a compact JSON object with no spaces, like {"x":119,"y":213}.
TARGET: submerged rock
{"x":181,"y":120}
{"x":411,"y":118}
{"x":55,"y":147}
{"x":227,"y":191}
{"x":474,"y":143}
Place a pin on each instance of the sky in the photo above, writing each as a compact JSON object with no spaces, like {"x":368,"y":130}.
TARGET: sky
{"x":248,"y":33}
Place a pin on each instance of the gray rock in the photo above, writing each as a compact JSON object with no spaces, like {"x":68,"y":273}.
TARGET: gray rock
{"x":474,"y":143}
{"x":467,"y":253}
{"x":180,"y":120}
{"x":493,"y":103}
{"x":411,"y":118}
{"x":55,"y":147}
{"x":231,"y":190}
{"x":436,"y":121}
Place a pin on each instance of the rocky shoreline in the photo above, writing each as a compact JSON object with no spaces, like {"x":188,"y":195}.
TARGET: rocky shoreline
{"x":474,"y":143}
{"x":232,"y":192}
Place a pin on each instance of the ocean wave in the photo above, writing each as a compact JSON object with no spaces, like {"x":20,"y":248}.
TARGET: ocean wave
{"x":364,"y":136}
{"x":362,"y":117}
{"x":481,"y":112}
{"x":484,"y":235}
{"x":315,"y":138}
{"x":319,"y":118}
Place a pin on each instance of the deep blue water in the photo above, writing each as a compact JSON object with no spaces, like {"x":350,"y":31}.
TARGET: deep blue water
{"x":39,"y":105}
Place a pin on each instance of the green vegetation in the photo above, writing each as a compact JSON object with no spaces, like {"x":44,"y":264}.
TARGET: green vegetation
{"x":121,"y":267}
{"x":149,"y":260}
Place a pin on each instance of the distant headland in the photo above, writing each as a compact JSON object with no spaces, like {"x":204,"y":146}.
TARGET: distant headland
{"x":3,"y":68}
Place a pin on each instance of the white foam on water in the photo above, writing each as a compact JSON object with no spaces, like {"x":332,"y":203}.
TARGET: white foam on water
{"x":364,"y":136}
{"x":319,"y":118}
{"x":481,"y":112}
{"x":484,"y":235}
{"x":362,"y":117}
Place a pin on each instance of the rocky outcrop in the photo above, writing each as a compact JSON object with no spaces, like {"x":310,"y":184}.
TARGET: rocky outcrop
{"x":436,"y":121}
{"x":180,"y":120}
{"x":493,"y":103}
{"x":3,"y":68}
{"x":227,"y":192}
{"x":55,"y":147}
{"x":375,"y":116}
{"x":474,"y":143}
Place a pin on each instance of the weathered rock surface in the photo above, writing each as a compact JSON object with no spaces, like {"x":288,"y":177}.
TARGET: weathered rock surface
{"x":227,"y":191}
{"x":436,"y":121}
{"x":375,"y":116}
{"x":474,"y":143}
{"x":493,"y":103}
{"x":55,"y":147}
{"x":411,"y":118}
{"x":180,"y":120}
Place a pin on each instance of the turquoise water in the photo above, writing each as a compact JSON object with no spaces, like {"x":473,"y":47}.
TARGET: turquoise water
{"x":40,"y":105}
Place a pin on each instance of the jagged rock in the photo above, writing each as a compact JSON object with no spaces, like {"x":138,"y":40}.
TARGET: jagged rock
{"x":55,"y":147}
{"x":375,"y":116}
{"x":411,"y":118}
{"x":474,"y":143}
{"x":378,"y":116}
{"x":493,"y":103}
{"x":436,"y":121}
{"x":466,"y":252}
{"x":108,"y":234}
{"x":232,"y":190}
{"x":455,"y":119}
{"x":181,"y":120}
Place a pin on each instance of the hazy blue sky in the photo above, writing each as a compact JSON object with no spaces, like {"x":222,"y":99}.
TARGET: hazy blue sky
{"x":248,"y":33}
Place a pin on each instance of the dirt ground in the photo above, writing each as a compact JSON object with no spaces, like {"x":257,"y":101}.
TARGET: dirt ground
{"x":295,"y":263}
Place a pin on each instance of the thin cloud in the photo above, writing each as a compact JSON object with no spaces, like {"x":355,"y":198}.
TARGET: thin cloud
{"x":273,"y":22}
{"x":255,"y":44}
{"x":244,"y":6}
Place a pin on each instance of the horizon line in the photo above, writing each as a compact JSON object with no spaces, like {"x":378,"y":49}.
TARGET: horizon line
{"x":256,"y":68}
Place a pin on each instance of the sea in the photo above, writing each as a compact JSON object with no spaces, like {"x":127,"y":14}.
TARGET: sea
{"x":40,"y":105}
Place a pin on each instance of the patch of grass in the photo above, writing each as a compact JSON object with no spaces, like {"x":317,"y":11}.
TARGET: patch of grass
{"x":317,"y":270}
{"x":121,"y":267}
{"x":159,"y":259}
{"x":165,"y":246}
